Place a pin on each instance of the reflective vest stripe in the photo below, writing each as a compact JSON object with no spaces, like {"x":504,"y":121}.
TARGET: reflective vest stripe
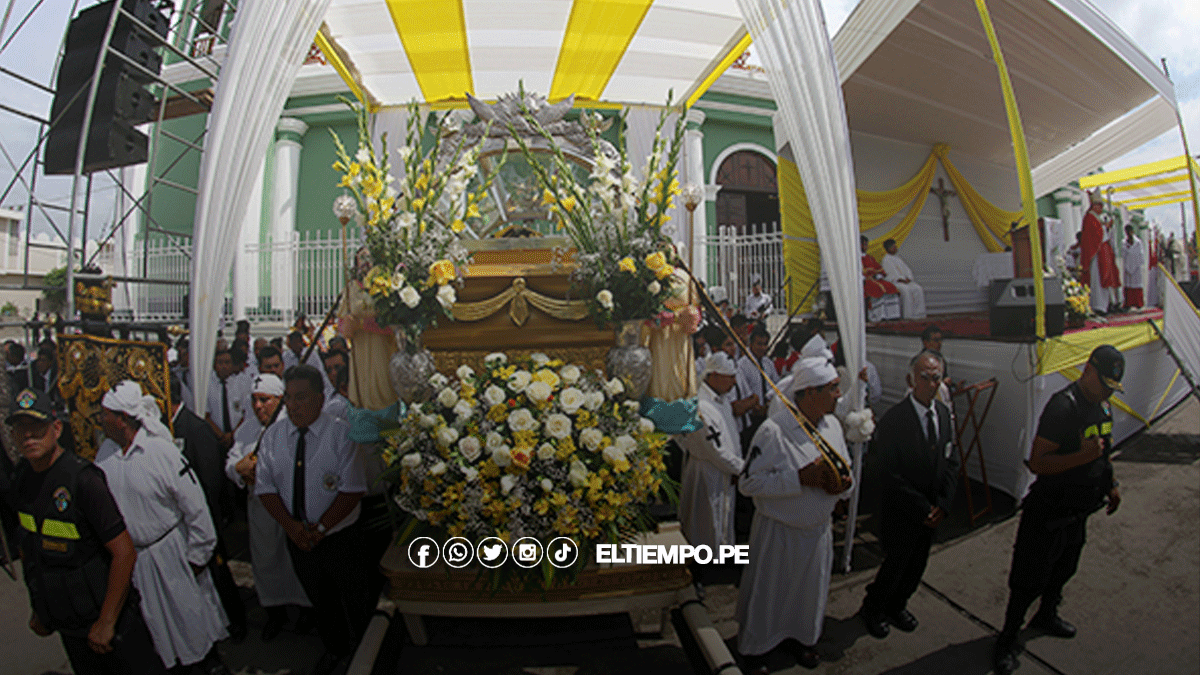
{"x":28,"y":522}
{"x":1106,"y":429}
{"x":60,"y":529}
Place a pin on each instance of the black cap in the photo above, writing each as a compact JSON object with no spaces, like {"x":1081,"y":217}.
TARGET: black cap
{"x":32,"y":403}
{"x":1109,"y":364}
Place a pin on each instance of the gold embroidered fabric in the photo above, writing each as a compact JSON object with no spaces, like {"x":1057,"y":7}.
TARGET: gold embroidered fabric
{"x":519,"y":297}
{"x":90,"y":366}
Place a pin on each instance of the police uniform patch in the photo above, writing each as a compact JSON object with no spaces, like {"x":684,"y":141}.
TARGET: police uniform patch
{"x":62,"y":499}
{"x":331,"y":481}
{"x":26,"y":399}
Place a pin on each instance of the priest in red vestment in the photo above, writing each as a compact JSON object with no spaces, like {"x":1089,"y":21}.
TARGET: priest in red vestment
{"x":882,"y":297}
{"x":1098,"y":261}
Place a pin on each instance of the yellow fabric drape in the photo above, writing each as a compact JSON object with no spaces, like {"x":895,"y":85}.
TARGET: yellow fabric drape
{"x":1073,"y":349}
{"x":801,"y":253}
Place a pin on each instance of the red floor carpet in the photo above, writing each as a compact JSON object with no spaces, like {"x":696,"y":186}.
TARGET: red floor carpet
{"x":975,"y":324}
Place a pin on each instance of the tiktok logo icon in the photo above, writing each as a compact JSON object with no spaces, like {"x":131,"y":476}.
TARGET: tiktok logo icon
{"x":562,"y":552}
{"x":423,"y":552}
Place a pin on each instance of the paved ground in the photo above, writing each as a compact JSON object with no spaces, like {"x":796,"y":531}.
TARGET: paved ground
{"x":1135,"y":599}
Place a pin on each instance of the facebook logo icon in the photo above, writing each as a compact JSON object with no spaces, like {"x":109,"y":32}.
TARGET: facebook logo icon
{"x":423,"y":552}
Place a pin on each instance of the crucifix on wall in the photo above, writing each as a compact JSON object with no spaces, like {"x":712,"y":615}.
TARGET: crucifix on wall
{"x":943,"y":194}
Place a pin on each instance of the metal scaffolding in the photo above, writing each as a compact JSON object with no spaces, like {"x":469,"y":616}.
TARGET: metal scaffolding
{"x":194,"y":42}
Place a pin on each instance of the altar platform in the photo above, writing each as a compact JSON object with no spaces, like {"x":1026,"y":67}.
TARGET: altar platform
{"x":974,"y":325}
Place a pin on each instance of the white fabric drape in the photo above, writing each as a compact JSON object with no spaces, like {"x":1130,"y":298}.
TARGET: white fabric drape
{"x":1181,"y":326}
{"x":793,"y":43}
{"x":266,"y":49}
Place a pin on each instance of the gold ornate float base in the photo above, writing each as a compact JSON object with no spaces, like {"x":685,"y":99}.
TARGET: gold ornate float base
{"x":598,"y":590}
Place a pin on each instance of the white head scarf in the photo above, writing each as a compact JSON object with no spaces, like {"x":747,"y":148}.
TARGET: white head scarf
{"x":269,"y":384}
{"x":719,"y":363}
{"x":814,"y":346}
{"x":814,"y":371}
{"x":127,"y":397}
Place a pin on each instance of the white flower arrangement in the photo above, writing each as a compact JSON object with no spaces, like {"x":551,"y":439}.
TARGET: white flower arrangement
{"x":521,"y":463}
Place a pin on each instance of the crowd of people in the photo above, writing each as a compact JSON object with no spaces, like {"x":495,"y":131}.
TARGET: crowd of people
{"x":127,"y":558}
{"x":774,"y":459}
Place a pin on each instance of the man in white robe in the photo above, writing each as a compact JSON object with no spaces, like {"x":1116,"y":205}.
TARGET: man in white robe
{"x":1135,"y":270}
{"x":713,"y":461}
{"x":168,"y":520}
{"x":783,"y":591}
{"x":275,"y":581}
{"x":912,"y":296}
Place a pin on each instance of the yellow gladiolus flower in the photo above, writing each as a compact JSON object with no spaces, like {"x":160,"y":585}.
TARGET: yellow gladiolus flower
{"x":422,"y":181}
{"x":473,"y":211}
{"x":547,"y":197}
{"x":338,"y":166}
{"x":627,"y":265}
{"x":656,"y":261}
{"x":417,"y":204}
{"x":457,"y":226}
{"x":569,"y":203}
{"x":353,"y":168}
{"x":442,"y":272}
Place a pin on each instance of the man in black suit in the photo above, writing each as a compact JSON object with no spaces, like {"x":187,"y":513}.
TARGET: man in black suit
{"x":202,"y":451}
{"x":918,"y":472}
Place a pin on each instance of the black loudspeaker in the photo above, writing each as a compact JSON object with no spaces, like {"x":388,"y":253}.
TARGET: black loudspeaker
{"x":122,"y":102}
{"x":1011,"y":307}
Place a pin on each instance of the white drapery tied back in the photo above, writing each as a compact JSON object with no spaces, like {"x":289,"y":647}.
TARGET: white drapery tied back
{"x":719,"y":363}
{"x":127,"y":397}
{"x":813,"y":371}
{"x":268,"y":384}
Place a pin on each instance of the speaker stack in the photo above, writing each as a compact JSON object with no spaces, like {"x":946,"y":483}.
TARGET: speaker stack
{"x":122,"y":101}
{"x":1012,"y":307}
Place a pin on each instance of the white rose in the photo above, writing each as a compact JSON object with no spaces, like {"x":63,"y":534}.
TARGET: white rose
{"x":605,"y":298}
{"x":539,"y":359}
{"x":498,"y":357}
{"x":463,"y":409}
{"x":614,"y":387}
{"x":502,"y":456}
{"x":494,"y":395}
{"x":521,"y":420}
{"x":447,"y":398}
{"x":397,"y":281}
{"x":446,"y":296}
{"x":591,"y":438}
{"x":613,"y":454}
{"x":653,"y":288}
{"x":632,"y":407}
{"x":545,"y":451}
{"x":464,"y":372}
{"x":438,"y":380}
{"x":547,"y":484}
{"x":569,"y":374}
{"x":645,"y":426}
{"x":446,"y":436}
{"x":470,"y":473}
{"x":518,"y":381}
{"x":578,"y":473}
{"x":538,"y":391}
{"x":494,"y":440}
{"x":410,"y":297}
{"x":411,"y":461}
{"x":427,"y":421}
{"x":469,"y":448}
{"x":507,"y":481}
{"x":558,"y":426}
{"x":571,"y":400}
{"x":593,"y":400}
{"x":625,"y":444}
{"x":437,"y":469}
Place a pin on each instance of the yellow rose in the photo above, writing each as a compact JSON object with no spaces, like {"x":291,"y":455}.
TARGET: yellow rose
{"x":627,"y":265}
{"x":442,"y":272}
{"x":656,"y":261}
{"x":664,"y":271}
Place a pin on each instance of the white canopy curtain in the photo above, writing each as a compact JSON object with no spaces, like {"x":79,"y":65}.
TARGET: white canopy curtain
{"x":793,"y":43}
{"x":266,"y":49}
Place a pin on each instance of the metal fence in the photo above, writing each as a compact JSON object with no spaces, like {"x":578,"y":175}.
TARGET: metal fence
{"x":736,"y":258}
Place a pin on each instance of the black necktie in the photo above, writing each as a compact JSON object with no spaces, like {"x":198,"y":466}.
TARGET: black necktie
{"x":931,"y":433}
{"x":225,"y":408}
{"x":298,"y":479}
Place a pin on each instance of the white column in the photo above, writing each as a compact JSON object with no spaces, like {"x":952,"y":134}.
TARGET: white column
{"x":284,"y":189}
{"x":1064,"y":202}
{"x":125,"y":242}
{"x":693,"y":153}
{"x":245,"y":265}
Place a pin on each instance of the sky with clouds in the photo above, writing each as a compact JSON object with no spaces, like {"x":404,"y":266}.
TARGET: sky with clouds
{"x":1162,"y":28}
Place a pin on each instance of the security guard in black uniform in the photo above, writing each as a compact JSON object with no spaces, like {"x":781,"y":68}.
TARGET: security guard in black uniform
{"x":77,"y":555}
{"x":1070,"y":456}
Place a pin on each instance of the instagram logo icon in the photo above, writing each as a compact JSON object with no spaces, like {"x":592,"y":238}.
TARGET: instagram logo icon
{"x":527,"y":552}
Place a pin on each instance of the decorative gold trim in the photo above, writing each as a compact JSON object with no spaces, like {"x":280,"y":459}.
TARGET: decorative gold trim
{"x":520,"y":297}
{"x":590,"y":358}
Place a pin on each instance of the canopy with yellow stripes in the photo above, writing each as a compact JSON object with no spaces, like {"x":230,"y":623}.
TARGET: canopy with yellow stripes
{"x":606,"y":52}
{"x":1153,"y":184}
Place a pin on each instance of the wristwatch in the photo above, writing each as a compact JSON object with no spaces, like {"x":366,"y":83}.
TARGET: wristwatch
{"x":321,"y":528}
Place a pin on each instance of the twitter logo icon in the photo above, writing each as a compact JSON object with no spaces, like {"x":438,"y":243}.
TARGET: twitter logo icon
{"x":492,"y":552}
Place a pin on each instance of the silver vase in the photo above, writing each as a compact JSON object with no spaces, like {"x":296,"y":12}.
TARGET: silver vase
{"x":410,"y":373}
{"x":629,"y":361}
